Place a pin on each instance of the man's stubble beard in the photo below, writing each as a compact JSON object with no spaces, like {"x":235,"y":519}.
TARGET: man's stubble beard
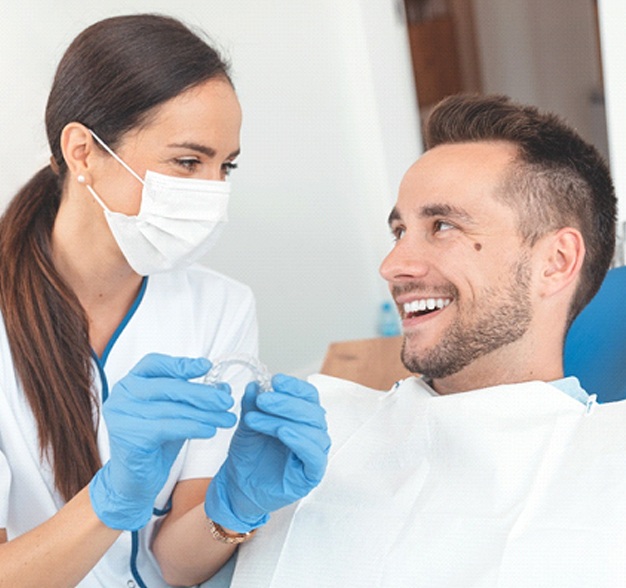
{"x":503,"y":317}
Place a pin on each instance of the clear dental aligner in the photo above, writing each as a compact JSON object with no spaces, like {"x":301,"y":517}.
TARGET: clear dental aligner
{"x":258,"y":370}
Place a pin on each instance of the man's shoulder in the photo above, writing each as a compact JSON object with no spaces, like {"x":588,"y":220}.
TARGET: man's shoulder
{"x":350,"y":405}
{"x":339,"y":390}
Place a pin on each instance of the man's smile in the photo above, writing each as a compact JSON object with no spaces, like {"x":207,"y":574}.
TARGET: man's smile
{"x":421,"y":306}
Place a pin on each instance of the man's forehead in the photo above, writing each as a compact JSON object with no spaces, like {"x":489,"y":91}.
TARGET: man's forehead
{"x":485,"y":155}
{"x":450,"y":179}
{"x":459,"y":165}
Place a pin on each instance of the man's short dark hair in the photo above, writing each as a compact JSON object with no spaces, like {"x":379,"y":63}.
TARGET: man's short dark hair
{"x":559,"y":180}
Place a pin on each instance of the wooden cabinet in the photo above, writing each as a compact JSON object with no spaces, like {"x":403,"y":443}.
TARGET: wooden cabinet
{"x":443,"y":49}
{"x":435,"y":59}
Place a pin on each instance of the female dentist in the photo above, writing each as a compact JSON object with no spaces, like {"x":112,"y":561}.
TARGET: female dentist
{"x":107,"y":444}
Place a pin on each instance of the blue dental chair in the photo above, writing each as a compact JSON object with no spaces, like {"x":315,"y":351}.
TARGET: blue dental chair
{"x":595,"y":347}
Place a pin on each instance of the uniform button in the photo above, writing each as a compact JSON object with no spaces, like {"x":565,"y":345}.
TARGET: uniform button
{"x":130,"y":584}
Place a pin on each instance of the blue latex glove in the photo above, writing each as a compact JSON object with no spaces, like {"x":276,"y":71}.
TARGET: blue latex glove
{"x":278,"y":454}
{"x":149,"y":415}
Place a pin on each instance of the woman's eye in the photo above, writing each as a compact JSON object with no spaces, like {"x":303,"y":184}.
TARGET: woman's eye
{"x":189,"y":163}
{"x":228,"y":167}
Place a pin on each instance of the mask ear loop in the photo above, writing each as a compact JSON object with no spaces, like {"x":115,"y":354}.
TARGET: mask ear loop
{"x":115,"y":156}
{"x":259,"y":370}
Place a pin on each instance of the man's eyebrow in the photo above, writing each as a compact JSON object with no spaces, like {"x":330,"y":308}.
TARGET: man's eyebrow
{"x":394,"y":215}
{"x":447,"y":210}
{"x":208,"y":151}
{"x":433,"y":210}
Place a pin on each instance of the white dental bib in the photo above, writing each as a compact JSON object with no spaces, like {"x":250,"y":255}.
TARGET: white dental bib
{"x":510,"y":486}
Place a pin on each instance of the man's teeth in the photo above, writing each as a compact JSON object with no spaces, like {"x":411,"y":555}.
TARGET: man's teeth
{"x":425,"y":304}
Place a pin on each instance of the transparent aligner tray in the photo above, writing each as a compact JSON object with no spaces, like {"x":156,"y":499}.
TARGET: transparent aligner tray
{"x":222,"y":364}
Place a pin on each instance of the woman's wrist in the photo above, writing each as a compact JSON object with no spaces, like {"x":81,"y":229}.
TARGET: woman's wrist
{"x":227,"y":536}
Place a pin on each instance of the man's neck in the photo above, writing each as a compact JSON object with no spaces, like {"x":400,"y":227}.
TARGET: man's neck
{"x":504,"y":366}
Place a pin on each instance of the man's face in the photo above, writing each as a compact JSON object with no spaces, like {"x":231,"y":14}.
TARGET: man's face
{"x":459,"y":271}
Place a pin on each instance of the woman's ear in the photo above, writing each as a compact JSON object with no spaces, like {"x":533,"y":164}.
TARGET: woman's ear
{"x":564,"y":253}
{"x":77,"y":145}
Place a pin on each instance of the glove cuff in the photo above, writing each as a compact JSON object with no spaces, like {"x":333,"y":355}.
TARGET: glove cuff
{"x":217,"y":508}
{"x":114,"y":510}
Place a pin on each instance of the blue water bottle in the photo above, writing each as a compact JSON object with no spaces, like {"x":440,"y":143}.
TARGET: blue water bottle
{"x":388,"y":320}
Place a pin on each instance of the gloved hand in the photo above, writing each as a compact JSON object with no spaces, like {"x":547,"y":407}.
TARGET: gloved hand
{"x":149,"y":415}
{"x":278,"y":454}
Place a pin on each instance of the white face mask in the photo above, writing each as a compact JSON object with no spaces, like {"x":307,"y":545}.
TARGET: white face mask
{"x":179,"y":220}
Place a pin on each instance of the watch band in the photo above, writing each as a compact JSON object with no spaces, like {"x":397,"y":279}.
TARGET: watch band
{"x":219,"y":534}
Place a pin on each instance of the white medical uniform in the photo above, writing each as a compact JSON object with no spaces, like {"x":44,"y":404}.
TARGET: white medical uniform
{"x":512,"y":486}
{"x":194,"y":312}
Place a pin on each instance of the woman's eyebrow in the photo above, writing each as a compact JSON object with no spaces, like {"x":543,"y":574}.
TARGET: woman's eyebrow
{"x":208,"y":151}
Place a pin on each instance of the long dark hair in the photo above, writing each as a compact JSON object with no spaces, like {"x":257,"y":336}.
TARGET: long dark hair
{"x":110,"y":78}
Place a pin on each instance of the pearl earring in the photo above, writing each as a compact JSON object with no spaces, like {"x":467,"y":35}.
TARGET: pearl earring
{"x":81,"y":179}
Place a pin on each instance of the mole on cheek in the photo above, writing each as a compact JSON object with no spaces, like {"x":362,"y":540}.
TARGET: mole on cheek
{"x":478,"y":246}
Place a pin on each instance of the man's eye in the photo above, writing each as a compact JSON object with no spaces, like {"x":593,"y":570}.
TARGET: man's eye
{"x":442,"y":225}
{"x":398,"y":233}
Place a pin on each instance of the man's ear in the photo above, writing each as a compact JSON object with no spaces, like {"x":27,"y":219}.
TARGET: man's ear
{"x":78,"y":149}
{"x":563,"y":256}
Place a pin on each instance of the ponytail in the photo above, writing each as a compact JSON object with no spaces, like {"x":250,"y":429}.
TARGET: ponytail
{"x":110,"y":78}
{"x":48,"y":335}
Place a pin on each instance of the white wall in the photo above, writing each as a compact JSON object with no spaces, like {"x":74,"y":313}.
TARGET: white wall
{"x":330,"y":125}
{"x":612,"y":19}
{"x":543,"y":53}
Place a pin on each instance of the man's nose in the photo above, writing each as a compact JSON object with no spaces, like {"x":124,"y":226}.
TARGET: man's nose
{"x":406,"y":261}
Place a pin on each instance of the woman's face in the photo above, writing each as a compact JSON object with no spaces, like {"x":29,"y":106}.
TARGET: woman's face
{"x":195,"y":135}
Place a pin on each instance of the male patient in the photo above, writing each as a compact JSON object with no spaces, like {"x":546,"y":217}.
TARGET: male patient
{"x":491,"y":469}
